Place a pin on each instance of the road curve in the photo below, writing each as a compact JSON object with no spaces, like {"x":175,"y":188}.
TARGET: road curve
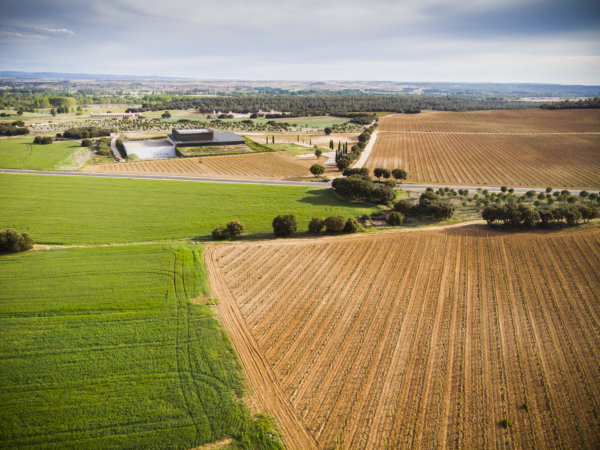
{"x":315,"y":184}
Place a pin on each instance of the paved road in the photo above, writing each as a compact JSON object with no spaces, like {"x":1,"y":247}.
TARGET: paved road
{"x":408,"y":187}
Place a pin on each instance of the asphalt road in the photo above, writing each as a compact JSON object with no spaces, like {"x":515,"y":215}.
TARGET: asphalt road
{"x":408,"y":187}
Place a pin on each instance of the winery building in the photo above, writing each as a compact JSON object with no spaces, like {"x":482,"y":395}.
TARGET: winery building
{"x":201,"y":137}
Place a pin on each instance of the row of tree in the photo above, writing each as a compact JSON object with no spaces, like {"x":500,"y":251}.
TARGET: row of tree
{"x":325,"y":104}
{"x":85,"y":132}
{"x":12,"y":130}
{"x":520,"y":215}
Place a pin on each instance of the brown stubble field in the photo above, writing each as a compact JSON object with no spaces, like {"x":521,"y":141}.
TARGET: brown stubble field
{"x":423,"y":339}
{"x":536,"y":148}
{"x":256,"y":165}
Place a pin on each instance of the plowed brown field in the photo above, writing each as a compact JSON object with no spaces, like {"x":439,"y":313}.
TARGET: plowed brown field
{"x":425,"y":339}
{"x":257,"y":165}
{"x":519,"y":148}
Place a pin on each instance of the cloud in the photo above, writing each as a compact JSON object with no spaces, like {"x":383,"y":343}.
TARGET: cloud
{"x":34,"y":33}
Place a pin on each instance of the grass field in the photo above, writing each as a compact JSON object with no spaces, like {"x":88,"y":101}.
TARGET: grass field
{"x":101,"y":348}
{"x":23,"y":154}
{"x":534,"y":148}
{"x":460,"y":338}
{"x":78,"y":210}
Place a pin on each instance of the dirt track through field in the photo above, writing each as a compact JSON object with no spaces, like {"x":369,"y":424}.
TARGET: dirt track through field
{"x":425,"y":339}
{"x":257,"y":165}
{"x":517,"y":148}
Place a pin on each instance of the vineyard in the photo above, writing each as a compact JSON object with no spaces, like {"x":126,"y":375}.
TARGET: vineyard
{"x":521,"y":148}
{"x":259,"y":165}
{"x":430,"y":339}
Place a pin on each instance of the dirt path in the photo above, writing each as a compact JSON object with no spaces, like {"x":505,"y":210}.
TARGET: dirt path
{"x":366,"y":152}
{"x":262,"y":380}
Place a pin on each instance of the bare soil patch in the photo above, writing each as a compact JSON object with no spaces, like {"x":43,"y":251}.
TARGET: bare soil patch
{"x":423,"y":339}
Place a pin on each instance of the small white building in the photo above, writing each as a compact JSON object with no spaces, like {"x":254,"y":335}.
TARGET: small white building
{"x":157,"y":149}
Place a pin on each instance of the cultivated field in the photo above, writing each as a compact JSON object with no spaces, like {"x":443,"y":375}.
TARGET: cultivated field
{"x":423,"y":339}
{"x":69,"y":210}
{"x":22,"y":153}
{"x":258,"y":165}
{"x":520,"y":148}
{"x":101,"y":348}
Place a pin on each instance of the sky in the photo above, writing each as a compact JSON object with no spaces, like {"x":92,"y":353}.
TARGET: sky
{"x":526,"y":41}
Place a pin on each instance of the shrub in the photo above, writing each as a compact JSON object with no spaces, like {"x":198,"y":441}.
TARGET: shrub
{"x":235,"y":228}
{"x":382,"y":195}
{"x":284,"y":225}
{"x":351,"y":225}
{"x":506,"y":423}
{"x":399,"y":174}
{"x":390,"y":183}
{"x":220,"y":233}
{"x":363,"y":171}
{"x":316,"y":225}
{"x":12,"y":241}
{"x":335,"y":224}
{"x":395,"y":219}
{"x":42,"y":140}
{"x":317,"y":169}
{"x":86,"y":143}
{"x":403,"y":206}
{"x":9,"y":130}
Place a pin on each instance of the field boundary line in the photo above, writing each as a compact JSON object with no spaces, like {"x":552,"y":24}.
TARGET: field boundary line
{"x":261,"y":378}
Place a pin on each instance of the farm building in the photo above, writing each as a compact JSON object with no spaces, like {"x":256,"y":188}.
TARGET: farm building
{"x":201,"y":137}
{"x":101,"y":115}
{"x":150,"y":149}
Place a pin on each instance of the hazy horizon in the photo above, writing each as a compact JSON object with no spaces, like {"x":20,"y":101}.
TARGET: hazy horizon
{"x":480,"y":41}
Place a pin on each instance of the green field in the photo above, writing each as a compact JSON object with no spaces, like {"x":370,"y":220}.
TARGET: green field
{"x":61,"y":209}
{"x":21,"y":153}
{"x":101,"y":348}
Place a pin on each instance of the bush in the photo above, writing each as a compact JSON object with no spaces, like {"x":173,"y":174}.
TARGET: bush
{"x":316,"y":225}
{"x":284,"y":225}
{"x":441,"y":210}
{"x":390,"y":183}
{"x":235,"y":228}
{"x":317,"y":169}
{"x":42,"y":140}
{"x":86,"y":132}
{"x":399,"y":174}
{"x":403,"y":206}
{"x":9,"y":130}
{"x":335,"y":224}
{"x":220,"y":233}
{"x":351,"y":225}
{"x":395,"y":219}
{"x":86,"y":143}
{"x":363,"y":171}
{"x":13,"y":242}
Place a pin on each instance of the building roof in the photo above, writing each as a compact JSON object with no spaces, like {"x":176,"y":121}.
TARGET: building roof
{"x":193,"y":131}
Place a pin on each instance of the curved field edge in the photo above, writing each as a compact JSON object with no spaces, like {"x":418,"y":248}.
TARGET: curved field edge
{"x":102,"y":348}
{"x":429,"y":339}
{"x":73,"y":210}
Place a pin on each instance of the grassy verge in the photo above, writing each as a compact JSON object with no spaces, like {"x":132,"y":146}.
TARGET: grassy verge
{"x":24,"y":154}
{"x":101,"y":348}
{"x":57,"y":209}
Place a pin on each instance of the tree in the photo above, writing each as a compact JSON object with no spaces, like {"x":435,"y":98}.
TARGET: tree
{"x":318,"y":152}
{"x":548,"y":190}
{"x":166,"y":115}
{"x":317,"y":169}
{"x":327,"y":130}
{"x":316,"y":225}
{"x":399,"y":174}
{"x":504,"y":188}
{"x":235,"y":228}
{"x":12,"y":241}
{"x":378,"y":172}
{"x":403,"y":206}
{"x":386,"y":173}
{"x":284,"y":225}
{"x":86,"y":143}
{"x":351,"y":225}
{"x":53,"y":112}
{"x":220,"y":233}
{"x":335,"y":224}
{"x":395,"y":219}
{"x":343,"y":163}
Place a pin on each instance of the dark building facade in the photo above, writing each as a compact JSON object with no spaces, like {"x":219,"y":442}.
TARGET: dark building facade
{"x":201,"y":137}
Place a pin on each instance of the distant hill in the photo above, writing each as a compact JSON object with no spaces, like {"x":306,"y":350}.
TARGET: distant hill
{"x":77,"y":76}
